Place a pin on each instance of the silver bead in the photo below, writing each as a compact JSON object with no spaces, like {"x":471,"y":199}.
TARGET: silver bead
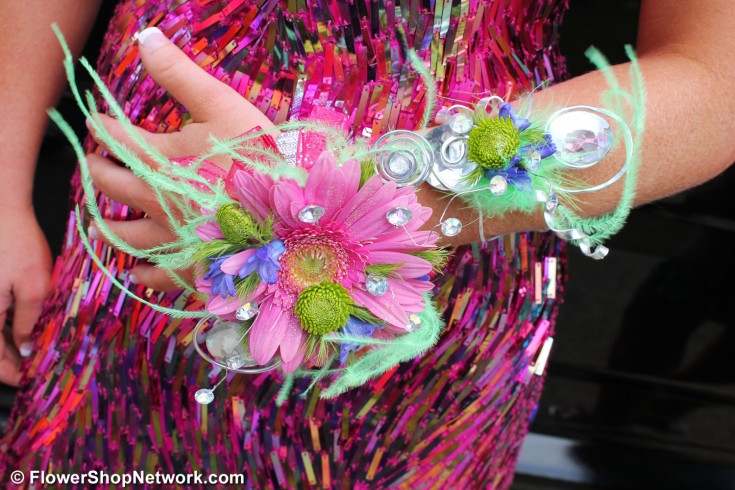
{"x":247,"y":311}
{"x":552,"y":202}
{"x":376,"y":285}
{"x":414,"y":322}
{"x":451,"y":227}
{"x":399,"y":216}
{"x":460,"y":123}
{"x":582,"y":138}
{"x":498,"y":185}
{"x":534,"y":160}
{"x":442,"y":115}
{"x":204,"y":396}
{"x":311,"y":213}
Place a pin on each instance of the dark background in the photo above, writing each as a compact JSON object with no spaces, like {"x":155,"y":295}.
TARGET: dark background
{"x":640,"y":391}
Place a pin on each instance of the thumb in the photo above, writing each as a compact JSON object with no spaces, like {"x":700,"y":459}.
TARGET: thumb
{"x":202,"y":95}
{"x":28,"y":304}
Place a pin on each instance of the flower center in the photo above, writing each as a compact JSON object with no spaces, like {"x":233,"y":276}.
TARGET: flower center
{"x":323,"y":308}
{"x":493,"y":142}
{"x":313,"y":259}
{"x":237,"y":225}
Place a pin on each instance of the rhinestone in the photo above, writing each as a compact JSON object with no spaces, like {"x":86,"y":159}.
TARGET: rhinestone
{"x":247,"y":311}
{"x":376,"y":285}
{"x":236,"y":362}
{"x":204,"y":396}
{"x":534,"y":160}
{"x":460,"y":123}
{"x":225,"y":340}
{"x":451,"y":227}
{"x":414,"y":322}
{"x":552,"y":202}
{"x":401,"y":165}
{"x":399,"y":216}
{"x":311,"y":213}
{"x":582,"y":138}
{"x":498,"y":185}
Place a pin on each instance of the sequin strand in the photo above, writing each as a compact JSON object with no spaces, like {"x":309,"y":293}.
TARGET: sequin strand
{"x":110,"y":385}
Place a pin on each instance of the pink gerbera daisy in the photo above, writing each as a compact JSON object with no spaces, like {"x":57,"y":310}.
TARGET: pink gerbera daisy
{"x":314,"y":274}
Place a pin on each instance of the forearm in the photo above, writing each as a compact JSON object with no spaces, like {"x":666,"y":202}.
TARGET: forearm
{"x":689,"y":136}
{"x":31,"y":80}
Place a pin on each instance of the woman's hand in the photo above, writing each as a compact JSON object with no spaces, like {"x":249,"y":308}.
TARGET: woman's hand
{"x":25,"y":270}
{"x":216,"y":109}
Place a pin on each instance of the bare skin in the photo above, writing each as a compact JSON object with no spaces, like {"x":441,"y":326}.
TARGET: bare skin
{"x":685,"y":52}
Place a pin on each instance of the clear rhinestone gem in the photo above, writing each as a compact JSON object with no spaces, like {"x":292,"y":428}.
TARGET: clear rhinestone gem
{"x":498,"y":185}
{"x":400,"y":165}
{"x":451,"y":227}
{"x":582,"y":138}
{"x":204,"y":396}
{"x":552,"y":202}
{"x":460,"y":123}
{"x":399,"y":216}
{"x":225,"y":339}
{"x":236,"y":362}
{"x":376,"y":285}
{"x":311,"y":213}
{"x":534,"y":160}
{"x":414,"y":322}
{"x":246,"y":311}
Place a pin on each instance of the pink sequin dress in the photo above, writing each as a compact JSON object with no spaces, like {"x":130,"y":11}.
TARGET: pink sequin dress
{"x":110,"y":384}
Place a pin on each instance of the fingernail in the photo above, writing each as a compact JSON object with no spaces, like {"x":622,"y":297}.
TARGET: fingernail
{"x":152,"y":38}
{"x":93,"y":233}
{"x":88,"y":123}
{"x":26,"y":349}
{"x":133,"y":279}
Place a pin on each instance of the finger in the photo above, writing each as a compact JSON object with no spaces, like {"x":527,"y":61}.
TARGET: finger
{"x":203,"y":95}
{"x":28,"y":303}
{"x":10,"y":373}
{"x":170,"y":145}
{"x":140,"y":233}
{"x":158,"y":279}
{"x":121,"y":185}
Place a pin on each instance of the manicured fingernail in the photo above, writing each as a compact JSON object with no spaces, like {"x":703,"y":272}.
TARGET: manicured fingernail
{"x":88,"y":123}
{"x":26,"y":349}
{"x":133,"y":279}
{"x":152,"y":38}
{"x":93,"y":233}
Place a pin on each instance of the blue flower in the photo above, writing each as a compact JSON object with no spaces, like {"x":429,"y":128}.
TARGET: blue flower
{"x":265,"y":261}
{"x":545,"y":149}
{"x":222,"y":283}
{"x":521,"y":123}
{"x":515,"y":175}
{"x":355,"y":328}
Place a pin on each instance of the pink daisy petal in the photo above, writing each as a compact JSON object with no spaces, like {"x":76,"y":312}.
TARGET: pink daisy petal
{"x":282,"y":196}
{"x":411,"y":266}
{"x":296,"y":360}
{"x":253,"y":191}
{"x":235,"y":263}
{"x":217,"y":305}
{"x":267,"y":331}
{"x":384,"y":307}
{"x":292,"y":341}
{"x":209,"y":231}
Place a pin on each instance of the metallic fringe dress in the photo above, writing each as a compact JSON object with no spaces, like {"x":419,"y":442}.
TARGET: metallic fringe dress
{"x":110,"y":386}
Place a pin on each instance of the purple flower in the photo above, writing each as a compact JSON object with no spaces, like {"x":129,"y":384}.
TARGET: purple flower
{"x":515,"y":175}
{"x":355,"y":328}
{"x":521,"y":123}
{"x":222,"y":283}
{"x":545,"y":149}
{"x":265,"y":260}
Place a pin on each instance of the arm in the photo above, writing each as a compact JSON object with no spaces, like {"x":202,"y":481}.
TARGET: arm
{"x":31,"y":79}
{"x":685,"y":52}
